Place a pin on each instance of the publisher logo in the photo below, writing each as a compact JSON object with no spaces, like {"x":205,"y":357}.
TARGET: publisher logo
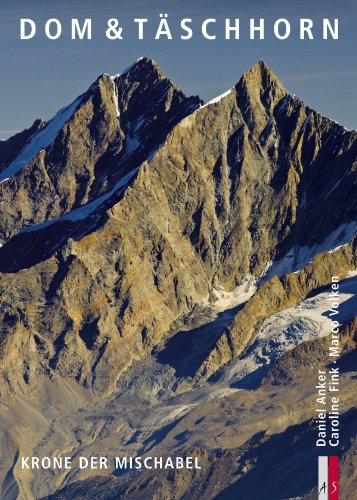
{"x":328,"y":478}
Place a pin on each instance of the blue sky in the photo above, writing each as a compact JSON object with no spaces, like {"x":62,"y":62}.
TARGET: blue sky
{"x":40,"y":76}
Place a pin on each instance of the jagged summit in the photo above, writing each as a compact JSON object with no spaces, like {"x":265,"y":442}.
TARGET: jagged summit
{"x":261,"y":70}
{"x":119,"y":123}
{"x":145,"y":75}
{"x":142,"y":62}
{"x":145,"y":64}
{"x":84,"y":151}
{"x":141,"y":69}
{"x":261,"y":76}
{"x":263,"y":66}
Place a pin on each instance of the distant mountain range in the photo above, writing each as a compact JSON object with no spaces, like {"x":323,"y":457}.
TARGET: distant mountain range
{"x":155,"y":252}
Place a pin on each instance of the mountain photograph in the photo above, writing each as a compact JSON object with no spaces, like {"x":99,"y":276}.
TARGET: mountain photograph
{"x":165,"y":288}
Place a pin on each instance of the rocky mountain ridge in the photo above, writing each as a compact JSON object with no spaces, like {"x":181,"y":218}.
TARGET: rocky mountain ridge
{"x":87,"y":147}
{"x":228,"y":188}
{"x":134,"y":209}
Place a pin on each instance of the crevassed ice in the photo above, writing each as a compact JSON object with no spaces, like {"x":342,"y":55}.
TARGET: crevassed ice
{"x":283,"y":331}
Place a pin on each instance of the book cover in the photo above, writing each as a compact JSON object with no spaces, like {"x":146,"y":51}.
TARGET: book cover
{"x":178,"y":252}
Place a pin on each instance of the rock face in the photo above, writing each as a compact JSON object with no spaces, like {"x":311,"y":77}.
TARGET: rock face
{"x":219,"y":195}
{"x":11,"y":148}
{"x":88,"y":146}
{"x":134,"y":205}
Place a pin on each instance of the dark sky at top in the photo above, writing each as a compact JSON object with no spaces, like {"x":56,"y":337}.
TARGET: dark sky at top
{"x":40,"y":76}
